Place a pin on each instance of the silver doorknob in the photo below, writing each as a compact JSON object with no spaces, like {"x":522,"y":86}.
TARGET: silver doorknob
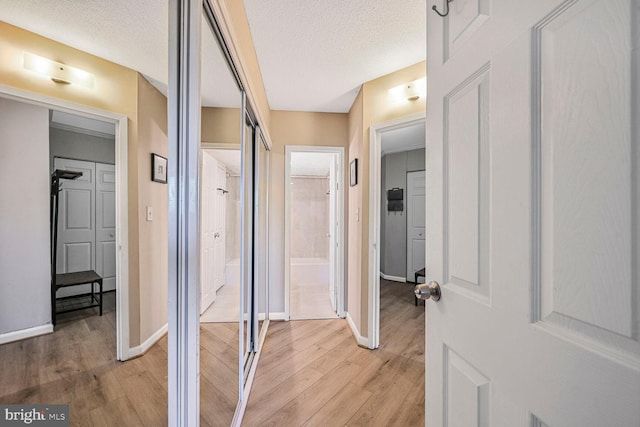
{"x":424,"y":291}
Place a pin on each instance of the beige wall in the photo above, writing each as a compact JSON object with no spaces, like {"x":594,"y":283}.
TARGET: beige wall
{"x":116,"y":89}
{"x":293,"y":128}
{"x":220,"y":125}
{"x":354,"y":258}
{"x":372,"y":106}
{"x":152,"y":138}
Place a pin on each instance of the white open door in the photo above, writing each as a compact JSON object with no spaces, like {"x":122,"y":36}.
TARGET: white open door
{"x":211,"y":267}
{"x":533,"y":218}
{"x":333,"y":230}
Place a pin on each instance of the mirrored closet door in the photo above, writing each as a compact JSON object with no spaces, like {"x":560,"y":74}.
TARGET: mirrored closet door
{"x":234,"y":176}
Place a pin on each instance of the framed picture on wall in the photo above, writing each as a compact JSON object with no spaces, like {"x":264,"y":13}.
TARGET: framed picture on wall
{"x":158,"y":168}
{"x":353,"y":172}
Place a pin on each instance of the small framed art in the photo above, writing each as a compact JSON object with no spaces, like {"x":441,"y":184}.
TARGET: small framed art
{"x":353,"y":173}
{"x":158,"y":168}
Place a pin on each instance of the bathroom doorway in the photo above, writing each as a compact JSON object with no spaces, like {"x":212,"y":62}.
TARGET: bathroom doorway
{"x":314,"y":233}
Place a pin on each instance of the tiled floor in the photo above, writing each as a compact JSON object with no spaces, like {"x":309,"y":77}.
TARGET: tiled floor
{"x":311,"y":301}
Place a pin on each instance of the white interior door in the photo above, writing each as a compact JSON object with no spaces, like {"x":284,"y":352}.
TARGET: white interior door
{"x":208,"y":231}
{"x":533,"y":214}
{"x":76,"y":222}
{"x":333,"y":231}
{"x":220,"y":226}
{"x":106,"y":225}
{"x":415,"y":222}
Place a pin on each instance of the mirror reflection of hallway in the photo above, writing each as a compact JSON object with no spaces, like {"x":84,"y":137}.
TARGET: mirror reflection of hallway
{"x":220,"y":235}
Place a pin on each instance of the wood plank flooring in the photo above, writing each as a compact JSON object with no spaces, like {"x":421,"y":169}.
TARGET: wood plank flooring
{"x":77,"y":365}
{"x":312,"y":373}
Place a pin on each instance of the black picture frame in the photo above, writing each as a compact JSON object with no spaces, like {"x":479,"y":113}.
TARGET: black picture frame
{"x":158,"y":168}
{"x":353,"y":173}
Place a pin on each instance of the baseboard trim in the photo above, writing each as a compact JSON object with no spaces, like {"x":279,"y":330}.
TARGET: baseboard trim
{"x":278,"y":316}
{"x":146,"y":345}
{"x":362,"y":342}
{"x":393,"y":278}
{"x":23,"y":334}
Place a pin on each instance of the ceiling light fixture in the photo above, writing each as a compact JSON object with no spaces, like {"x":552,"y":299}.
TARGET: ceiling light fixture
{"x":411,"y":91}
{"x":58,"y":72}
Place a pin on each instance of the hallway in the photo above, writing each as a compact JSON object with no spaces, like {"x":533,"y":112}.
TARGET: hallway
{"x":313,"y":373}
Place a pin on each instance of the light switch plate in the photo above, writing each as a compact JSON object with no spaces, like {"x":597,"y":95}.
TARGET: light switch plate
{"x":149,"y":213}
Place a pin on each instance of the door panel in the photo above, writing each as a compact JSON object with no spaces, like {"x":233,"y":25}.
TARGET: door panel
{"x":106,"y":224}
{"x":76,"y":224}
{"x":532,"y":226}
{"x":466,"y":169}
{"x":467,"y":393}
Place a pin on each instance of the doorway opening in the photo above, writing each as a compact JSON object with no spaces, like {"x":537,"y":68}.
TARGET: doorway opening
{"x":314,"y":232}
{"x":86,"y":227}
{"x":396,"y":149}
{"x":117,"y":263}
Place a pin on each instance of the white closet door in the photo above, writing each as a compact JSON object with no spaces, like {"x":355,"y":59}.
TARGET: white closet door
{"x":106,"y":224}
{"x":76,"y":222}
{"x":415,"y":223}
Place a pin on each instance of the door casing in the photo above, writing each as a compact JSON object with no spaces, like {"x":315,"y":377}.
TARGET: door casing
{"x":124,"y":351}
{"x":375,"y":165}
{"x":340,"y":217}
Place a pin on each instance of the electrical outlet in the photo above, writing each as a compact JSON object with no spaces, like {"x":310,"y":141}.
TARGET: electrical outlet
{"x":149,"y":213}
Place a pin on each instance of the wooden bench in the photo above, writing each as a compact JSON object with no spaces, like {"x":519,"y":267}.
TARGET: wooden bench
{"x":76,"y":279}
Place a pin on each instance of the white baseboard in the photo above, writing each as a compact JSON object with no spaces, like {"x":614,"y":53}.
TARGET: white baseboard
{"x":25,"y":333}
{"x":278,"y":316}
{"x":364,"y":342}
{"x":393,"y":278}
{"x":146,"y":345}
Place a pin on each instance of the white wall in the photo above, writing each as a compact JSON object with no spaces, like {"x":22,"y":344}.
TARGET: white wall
{"x":24,"y":216}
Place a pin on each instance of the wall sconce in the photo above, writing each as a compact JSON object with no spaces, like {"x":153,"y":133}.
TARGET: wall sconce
{"x":59,"y":73}
{"x":411,"y":91}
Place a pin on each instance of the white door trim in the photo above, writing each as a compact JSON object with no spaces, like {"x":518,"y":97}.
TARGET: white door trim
{"x":122,"y":216}
{"x":375,"y":154}
{"x":287,"y":224}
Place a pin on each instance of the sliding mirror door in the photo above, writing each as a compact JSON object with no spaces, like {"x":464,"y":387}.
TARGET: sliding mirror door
{"x":261,"y":234}
{"x":221,"y":183}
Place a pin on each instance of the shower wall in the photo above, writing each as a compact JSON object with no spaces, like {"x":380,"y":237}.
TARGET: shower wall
{"x":309,"y":217}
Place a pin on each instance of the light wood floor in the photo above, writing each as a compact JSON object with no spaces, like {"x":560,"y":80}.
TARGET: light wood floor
{"x":311,"y":372}
{"x":77,"y":365}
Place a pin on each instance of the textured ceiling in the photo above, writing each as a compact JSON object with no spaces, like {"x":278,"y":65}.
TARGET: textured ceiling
{"x":313,"y":55}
